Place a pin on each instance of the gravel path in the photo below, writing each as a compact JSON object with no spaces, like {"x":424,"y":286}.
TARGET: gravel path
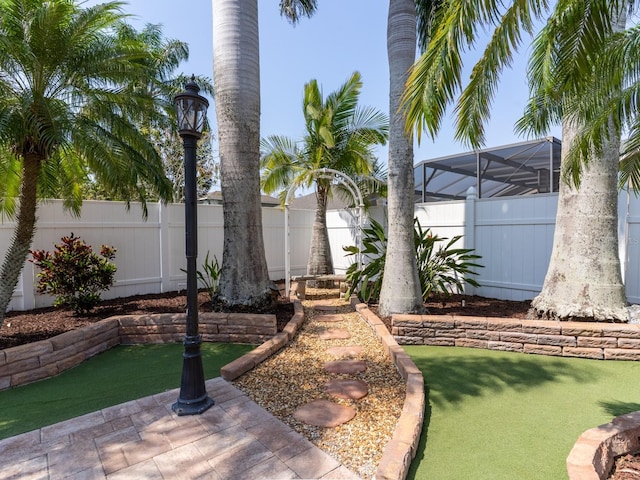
{"x":295,"y":376}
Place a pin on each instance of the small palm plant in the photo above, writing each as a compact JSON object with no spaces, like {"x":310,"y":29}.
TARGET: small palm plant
{"x":442,"y":269}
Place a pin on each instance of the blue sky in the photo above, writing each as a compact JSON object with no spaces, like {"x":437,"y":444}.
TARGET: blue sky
{"x":343,"y":36}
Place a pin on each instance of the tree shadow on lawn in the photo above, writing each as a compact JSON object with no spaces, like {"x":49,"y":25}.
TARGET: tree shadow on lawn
{"x":616,"y":409}
{"x":451,"y":378}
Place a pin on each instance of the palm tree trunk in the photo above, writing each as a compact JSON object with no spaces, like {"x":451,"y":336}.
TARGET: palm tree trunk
{"x":320,"y":259}
{"x":584,"y":280}
{"x":400,"y":291}
{"x":244,"y":278}
{"x":23,"y":233}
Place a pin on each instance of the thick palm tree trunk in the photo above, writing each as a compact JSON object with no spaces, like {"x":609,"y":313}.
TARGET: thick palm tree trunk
{"x":320,"y":260}
{"x":584,"y":279}
{"x":23,"y":233}
{"x":244,"y":279}
{"x":400,"y":286}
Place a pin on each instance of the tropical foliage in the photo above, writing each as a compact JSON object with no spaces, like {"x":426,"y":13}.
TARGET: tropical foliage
{"x":74,"y":91}
{"x":340,"y":136}
{"x":442,"y":267}
{"x":74,"y":273}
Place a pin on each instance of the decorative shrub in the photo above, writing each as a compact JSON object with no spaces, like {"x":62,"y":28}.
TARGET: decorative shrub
{"x":74,"y":273}
{"x":441,"y":268}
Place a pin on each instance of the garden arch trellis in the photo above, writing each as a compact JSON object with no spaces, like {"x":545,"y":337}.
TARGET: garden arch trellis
{"x":352,"y":188}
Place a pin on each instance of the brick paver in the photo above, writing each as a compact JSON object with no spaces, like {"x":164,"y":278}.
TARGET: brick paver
{"x":144,"y":439}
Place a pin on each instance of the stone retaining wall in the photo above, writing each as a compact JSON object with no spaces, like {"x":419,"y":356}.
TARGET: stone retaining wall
{"x":47,"y":358}
{"x":602,"y":341}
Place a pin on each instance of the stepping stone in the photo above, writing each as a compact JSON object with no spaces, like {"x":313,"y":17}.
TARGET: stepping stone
{"x":345,"y":366}
{"x":348,"y":351}
{"x":327,"y":308}
{"x":323,"y":413}
{"x":332,"y":317}
{"x":335,"y":334}
{"x":347,"y":389}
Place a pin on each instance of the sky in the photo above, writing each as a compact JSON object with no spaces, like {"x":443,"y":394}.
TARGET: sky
{"x":343,"y":36}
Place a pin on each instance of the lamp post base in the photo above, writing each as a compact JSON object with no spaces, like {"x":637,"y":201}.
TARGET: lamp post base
{"x":193,"y":398}
{"x":192,"y":407}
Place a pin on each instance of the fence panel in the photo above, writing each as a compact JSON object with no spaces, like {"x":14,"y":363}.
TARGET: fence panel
{"x":514,"y":237}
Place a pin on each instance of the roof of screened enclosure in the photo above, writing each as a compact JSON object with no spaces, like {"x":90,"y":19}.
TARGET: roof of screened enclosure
{"x":517,"y":169}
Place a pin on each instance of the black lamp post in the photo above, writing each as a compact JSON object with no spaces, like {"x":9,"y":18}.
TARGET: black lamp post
{"x":191,"y":109}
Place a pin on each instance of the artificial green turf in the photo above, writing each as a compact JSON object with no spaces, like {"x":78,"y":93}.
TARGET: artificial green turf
{"x":121,"y":374}
{"x":500,"y":415}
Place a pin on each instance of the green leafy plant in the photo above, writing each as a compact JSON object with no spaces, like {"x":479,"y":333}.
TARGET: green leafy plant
{"x":209,"y":276}
{"x":367,"y":282}
{"x":74,"y":273}
{"x":442,"y":269}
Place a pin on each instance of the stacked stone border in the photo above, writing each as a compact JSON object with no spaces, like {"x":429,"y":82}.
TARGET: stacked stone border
{"x":593,"y":455}
{"x":401,"y":449}
{"x":46,"y":358}
{"x":602,"y":341}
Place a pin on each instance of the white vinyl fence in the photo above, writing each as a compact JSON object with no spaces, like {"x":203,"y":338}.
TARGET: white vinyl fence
{"x":150,"y":254}
{"x":513,"y":235}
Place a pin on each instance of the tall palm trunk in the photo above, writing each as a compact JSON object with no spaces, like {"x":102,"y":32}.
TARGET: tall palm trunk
{"x":400,"y":291}
{"x":23,"y":233}
{"x":584,"y":279}
{"x":244,"y":279}
{"x":320,"y":259}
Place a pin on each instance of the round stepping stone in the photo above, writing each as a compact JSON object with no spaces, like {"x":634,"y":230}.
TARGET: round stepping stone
{"x":345,"y":366}
{"x":323,"y":413}
{"x":347,"y":351}
{"x":348,"y":389}
{"x":335,"y":334}
{"x":332,"y":317}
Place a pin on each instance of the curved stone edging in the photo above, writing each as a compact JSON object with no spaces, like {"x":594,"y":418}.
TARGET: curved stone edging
{"x":593,"y":455}
{"x":401,"y":449}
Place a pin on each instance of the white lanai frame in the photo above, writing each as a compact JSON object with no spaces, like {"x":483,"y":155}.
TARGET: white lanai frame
{"x":336,"y":176}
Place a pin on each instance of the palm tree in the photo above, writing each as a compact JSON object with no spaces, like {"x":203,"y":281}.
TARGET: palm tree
{"x":400,"y":292}
{"x":583,"y":280}
{"x":584,"y":277}
{"x":339,"y":136}
{"x":163,"y":57}
{"x":63,"y":115}
{"x":244,"y":278}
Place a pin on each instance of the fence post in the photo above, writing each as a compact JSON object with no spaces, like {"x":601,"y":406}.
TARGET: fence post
{"x":623,"y":232}
{"x":163,"y":237}
{"x":28,"y":286}
{"x":469,"y":239}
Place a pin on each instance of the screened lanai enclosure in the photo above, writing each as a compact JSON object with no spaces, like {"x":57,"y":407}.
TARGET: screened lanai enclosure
{"x":518,"y":169}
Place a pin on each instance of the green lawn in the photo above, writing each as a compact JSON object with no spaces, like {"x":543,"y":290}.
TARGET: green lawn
{"x":500,"y":415}
{"x":121,"y":374}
